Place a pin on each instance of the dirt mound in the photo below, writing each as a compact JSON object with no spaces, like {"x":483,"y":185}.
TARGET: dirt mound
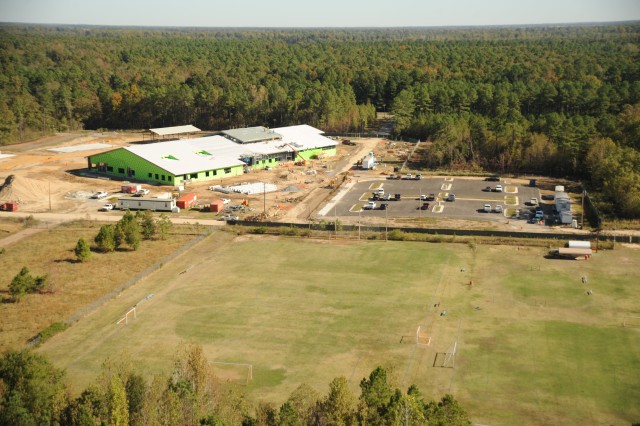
{"x":28,"y":192}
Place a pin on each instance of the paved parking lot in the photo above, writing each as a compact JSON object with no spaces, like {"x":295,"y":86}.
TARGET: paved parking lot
{"x":470,"y":199}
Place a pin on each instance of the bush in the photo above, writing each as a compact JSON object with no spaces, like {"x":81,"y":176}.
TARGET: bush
{"x":396,"y":235}
{"x":51,"y":331}
{"x":259,"y":230}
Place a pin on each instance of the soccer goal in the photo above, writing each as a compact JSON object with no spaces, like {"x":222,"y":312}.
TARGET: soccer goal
{"x":125,"y":319}
{"x":446,"y":359}
{"x":421,"y":338}
{"x":631,"y":321}
{"x":233,"y":372}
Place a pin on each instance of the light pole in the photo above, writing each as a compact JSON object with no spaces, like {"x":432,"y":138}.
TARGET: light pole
{"x":359,"y":223}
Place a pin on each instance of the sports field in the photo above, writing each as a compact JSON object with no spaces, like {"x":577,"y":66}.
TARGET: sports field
{"x":532,"y":347}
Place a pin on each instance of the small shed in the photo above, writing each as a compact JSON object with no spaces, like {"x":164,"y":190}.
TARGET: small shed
{"x":186,"y":201}
{"x":216,"y":206}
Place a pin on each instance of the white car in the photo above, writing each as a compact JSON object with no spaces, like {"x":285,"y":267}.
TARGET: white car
{"x":229,"y":217}
{"x":226,"y":200}
{"x":100,"y":194}
{"x":534,"y":201}
{"x":498,"y":209}
{"x":370,"y":205}
{"x":498,"y":188}
{"x":107,"y":207}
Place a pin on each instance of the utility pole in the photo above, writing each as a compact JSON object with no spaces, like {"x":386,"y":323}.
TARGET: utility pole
{"x":584,"y":194}
{"x":264,"y":198}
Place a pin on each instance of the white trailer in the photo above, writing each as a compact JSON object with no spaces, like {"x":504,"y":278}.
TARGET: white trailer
{"x":155,"y":204}
{"x":369,"y":162}
{"x":579,"y":244}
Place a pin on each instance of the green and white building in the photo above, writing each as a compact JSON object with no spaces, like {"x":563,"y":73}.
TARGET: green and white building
{"x":230,"y":153}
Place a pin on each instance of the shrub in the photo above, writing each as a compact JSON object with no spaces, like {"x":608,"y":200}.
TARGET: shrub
{"x":396,"y":235}
{"x":52,"y":330}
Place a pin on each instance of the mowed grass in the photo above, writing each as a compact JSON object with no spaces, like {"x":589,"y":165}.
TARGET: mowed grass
{"x":73,"y":285}
{"x":532,"y":346}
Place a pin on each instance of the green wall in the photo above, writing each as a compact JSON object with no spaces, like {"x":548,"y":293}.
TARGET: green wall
{"x":124,"y":164}
{"x":120,"y":162}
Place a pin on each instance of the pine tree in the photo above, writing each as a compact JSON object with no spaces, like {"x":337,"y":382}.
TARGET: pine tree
{"x":106,"y":238}
{"x":82,"y":250}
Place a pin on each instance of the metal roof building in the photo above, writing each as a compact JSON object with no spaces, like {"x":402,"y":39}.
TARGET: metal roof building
{"x":212,"y":157}
{"x":174,"y":130}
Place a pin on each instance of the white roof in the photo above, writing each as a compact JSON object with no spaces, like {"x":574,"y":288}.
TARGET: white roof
{"x":216,"y":152}
{"x":163,"y":131}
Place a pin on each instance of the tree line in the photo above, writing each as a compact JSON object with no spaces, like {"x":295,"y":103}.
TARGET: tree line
{"x":34,"y":392}
{"x":507,"y":99}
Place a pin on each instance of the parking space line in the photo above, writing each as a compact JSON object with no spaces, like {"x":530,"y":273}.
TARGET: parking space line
{"x":448,"y":179}
{"x":511,"y":189}
{"x":445,"y":187}
{"x":376,"y":185}
{"x":356,"y":208}
{"x":364,"y":197}
{"x":437,"y":209}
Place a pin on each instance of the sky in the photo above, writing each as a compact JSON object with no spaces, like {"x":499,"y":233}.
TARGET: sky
{"x":316,"y":13}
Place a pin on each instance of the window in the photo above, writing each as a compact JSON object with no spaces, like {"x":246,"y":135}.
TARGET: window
{"x":157,"y":177}
{"x":227,"y":170}
{"x":150,"y":175}
{"x":109,"y":168}
{"x":206,"y":173}
{"x":215,"y":172}
{"x":120,"y":170}
{"x":162,"y":177}
{"x":133,"y":172}
{"x":194,"y":176}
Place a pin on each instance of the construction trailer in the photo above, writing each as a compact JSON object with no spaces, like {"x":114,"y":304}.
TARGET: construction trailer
{"x":154,"y":204}
{"x":187,"y":201}
{"x":579,"y":244}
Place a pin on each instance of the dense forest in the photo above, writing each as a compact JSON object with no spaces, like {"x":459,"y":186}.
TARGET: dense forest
{"x":33,"y":392}
{"x":556,"y":100}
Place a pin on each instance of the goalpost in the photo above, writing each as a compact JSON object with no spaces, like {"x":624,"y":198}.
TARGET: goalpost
{"x":450,"y":356}
{"x":235,"y":365}
{"x":125,"y":318}
{"x":421,"y":338}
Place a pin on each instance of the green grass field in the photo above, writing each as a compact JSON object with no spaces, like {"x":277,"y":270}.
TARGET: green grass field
{"x":532,"y":346}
